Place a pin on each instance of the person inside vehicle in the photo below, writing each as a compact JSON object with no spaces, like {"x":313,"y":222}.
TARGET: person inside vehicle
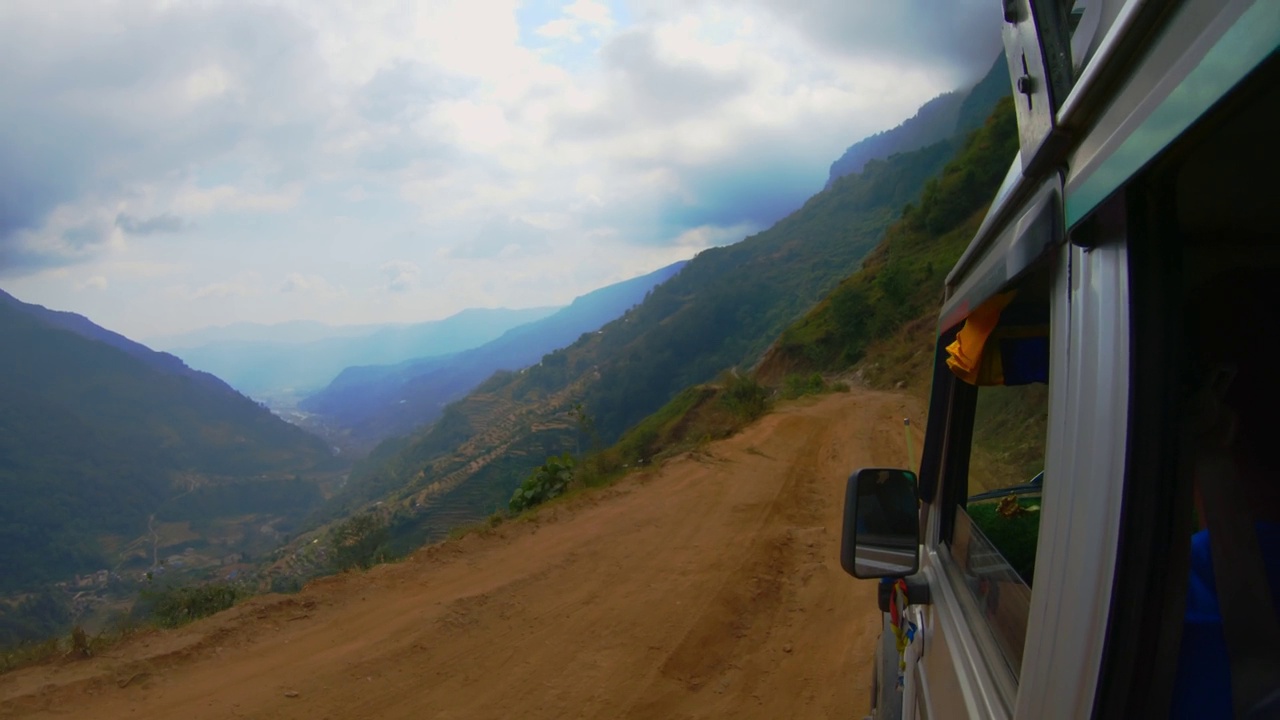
{"x":1233,"y":417}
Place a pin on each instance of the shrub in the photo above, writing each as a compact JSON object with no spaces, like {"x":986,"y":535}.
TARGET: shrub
{"x":797,"y":385}
{"x":80,"y":643}
{"x":359,"y":542}
{"x":545,"y":482}
{"x":743,"y":396}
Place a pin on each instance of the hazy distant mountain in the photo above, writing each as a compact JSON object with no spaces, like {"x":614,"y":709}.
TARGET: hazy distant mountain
{"x":98,"y":433}
{"x":267,"y":367}
{"x":296,"y":331}
{"x":949,"y":114}
{"x":380,"y":401}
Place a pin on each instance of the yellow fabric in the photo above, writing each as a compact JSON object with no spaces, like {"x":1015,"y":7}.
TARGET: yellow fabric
{"x":965,"y":356}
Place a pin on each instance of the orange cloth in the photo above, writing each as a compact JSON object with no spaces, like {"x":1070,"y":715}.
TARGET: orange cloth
{"x":964,"y":356}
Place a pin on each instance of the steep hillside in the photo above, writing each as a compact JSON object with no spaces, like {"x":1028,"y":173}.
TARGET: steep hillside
{"x":890,"y":303}
{"x":977,"y":105}
{"x":82,"y":326}
{"x":934,"y":121}
{"x":723,"y":310}
{"x":267,"y":369}
{"x":97,"y":434}
{"x":949,"y":114}
{"x":372,"y":403}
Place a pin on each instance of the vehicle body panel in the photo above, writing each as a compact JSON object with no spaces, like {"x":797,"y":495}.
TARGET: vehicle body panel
{"x":1147,"y":73}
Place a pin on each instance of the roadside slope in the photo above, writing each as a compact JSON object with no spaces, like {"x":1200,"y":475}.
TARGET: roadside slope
{"x":707,"y":587}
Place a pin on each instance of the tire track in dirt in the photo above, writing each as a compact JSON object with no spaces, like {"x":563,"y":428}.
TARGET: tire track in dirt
{"x":747,"y":601}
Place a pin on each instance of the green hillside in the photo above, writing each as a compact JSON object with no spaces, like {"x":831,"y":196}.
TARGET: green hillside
{"x":95,"y":441}
{"x":880,"y":319}
{"x":730,"y":302}
{"x":724,"y":310}
{"x":889,"y":306}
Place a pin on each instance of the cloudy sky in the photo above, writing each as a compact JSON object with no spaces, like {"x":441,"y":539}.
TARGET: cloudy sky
{"x":167,"y":165}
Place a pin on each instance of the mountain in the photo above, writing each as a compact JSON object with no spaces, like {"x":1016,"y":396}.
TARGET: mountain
{"x":269,"y":368}
{"x":934,"y":121}
{"x":99,"y":436}
{"x":293,"y":332}
{"x":949,"y":114}
{"x":724,"y":309}
{"x":888,"y":309}
{"x":375,"y":402}
{"x":976,"y":108}
{"x":80,"y":325}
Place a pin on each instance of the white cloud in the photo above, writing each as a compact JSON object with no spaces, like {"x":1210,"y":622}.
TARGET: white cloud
{"x":239,"y":287}
{"x":580,"y":17}
{"x":708,"y":236}
{"x":313,"y":285}
{"x":97,"y":282}
{"x":207,"y":83}
{"x":192,"y":200}
{"x":310,"y":140}
{"x":400,"y":275}
{"x":560,"y":29}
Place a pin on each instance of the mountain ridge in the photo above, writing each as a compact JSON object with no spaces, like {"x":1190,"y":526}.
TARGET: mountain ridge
{"x":267,"y":369}
{"x":86,"y":328}
{"x":947,"y":115}
{"x":381,"y":401}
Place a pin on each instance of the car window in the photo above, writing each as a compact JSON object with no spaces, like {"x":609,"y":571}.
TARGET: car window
{"x":995,"y":477}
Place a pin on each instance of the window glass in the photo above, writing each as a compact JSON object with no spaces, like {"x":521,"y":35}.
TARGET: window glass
{"x":998,"y":477}
{"x":996,"y":531}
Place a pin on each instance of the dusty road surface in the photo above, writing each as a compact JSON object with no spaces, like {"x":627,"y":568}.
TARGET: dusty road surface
{"x":708,"y":588}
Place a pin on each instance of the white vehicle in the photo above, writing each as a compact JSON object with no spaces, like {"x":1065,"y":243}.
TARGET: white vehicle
{"x":1145,"y":182}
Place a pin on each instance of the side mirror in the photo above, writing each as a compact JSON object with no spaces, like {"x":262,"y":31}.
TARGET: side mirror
{"x":881,"y":536}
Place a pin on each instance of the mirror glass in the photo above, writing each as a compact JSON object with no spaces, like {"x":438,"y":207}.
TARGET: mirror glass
{"x":885,"y":511}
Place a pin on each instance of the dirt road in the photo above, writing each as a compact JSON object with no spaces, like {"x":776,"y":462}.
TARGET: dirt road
{"x":709,"y":587}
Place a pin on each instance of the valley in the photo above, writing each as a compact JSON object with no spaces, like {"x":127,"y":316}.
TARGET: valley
{"x":706,"y":586}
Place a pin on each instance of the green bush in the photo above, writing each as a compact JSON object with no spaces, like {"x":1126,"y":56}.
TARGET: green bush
{"x":743,"y":396}
{"x":544,"y":483}
{"x":797,"y":385}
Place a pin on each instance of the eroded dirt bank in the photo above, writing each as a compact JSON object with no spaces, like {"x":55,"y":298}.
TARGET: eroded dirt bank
{"x":709,"y":587}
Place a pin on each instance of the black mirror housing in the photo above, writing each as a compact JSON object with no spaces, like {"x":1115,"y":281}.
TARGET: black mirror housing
{"x":881,"y":533}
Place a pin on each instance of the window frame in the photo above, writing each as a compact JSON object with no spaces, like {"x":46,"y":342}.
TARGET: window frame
{"x":1146,"y":617}
{"x":949,"y":463}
